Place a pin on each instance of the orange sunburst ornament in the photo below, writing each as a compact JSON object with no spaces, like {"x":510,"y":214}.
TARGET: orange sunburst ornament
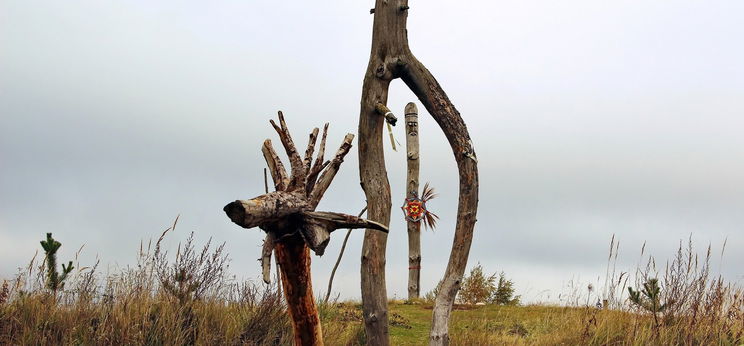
{"x":414,"y":208}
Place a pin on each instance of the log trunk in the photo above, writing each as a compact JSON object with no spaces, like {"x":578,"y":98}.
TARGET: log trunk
{"x":391,"y":58}
{"x":263,"y":209}
{"x":388,"y":43}
{"x":412,"y":188}
{"x":293,"y":257}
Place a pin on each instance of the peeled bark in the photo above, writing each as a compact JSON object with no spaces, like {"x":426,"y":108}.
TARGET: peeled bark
{"x":412,"y":188}
{"x":391,"y":58}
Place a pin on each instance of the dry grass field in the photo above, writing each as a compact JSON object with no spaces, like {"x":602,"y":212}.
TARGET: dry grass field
{"x":188,"y":298}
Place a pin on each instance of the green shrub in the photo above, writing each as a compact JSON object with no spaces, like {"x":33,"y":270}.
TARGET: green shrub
{"x":477,"y":287}
{"x":55,"y":280}
{"x":504,"y":294}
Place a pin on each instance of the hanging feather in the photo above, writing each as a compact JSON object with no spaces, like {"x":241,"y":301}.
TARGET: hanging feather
{"x":428,"y":193}
{"x":430,"y":219}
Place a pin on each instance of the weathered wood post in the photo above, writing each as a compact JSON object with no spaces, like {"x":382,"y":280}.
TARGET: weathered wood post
{"x":391,"y":58}
{"x":412,"y":188}
{"x":292,"y":226}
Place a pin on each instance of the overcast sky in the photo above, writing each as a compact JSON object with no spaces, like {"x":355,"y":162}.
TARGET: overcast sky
{"x":589,"y":119}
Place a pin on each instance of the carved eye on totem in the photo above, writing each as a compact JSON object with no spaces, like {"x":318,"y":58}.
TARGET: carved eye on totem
{"x":412,"y":128}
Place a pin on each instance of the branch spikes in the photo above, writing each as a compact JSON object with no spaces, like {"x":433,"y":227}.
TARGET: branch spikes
{"x":319,"y":165}
{"x":289,"y":212}
{"x":298,"y":167}
{"x":330,"y":172}
{"x":278,"y":173}
{"x":304,"y":174}
{"x":310,"y":148}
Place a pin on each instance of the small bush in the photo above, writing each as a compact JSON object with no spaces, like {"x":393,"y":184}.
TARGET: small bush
{"x":504,"y":294}
{"x":479,"y":288}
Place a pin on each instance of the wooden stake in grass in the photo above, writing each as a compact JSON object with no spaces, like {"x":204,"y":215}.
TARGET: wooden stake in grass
{"x":391,"y":58}
{"x":292,"y":225}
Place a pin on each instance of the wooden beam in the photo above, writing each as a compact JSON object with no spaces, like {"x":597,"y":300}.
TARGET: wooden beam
{"x":266,"y":209}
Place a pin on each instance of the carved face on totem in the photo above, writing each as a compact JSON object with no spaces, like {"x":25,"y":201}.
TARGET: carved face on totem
{"x":412,"y":124}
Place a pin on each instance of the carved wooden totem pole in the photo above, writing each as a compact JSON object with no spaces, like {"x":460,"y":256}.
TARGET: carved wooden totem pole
{"x":292,"y":225}
{"x":412,"y":188}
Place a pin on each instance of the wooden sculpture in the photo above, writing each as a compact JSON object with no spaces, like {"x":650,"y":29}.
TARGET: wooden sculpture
{"x":292,"y":225}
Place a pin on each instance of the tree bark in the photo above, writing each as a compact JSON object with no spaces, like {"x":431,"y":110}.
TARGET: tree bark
{"x":387,"y":32}
{"x":293,"y":257}
{"x":412,"y":191}
{"x":391,"y":58}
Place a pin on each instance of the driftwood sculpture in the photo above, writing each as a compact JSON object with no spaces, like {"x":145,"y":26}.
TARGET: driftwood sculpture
{"x":391,"y":58}
{"x":292,"y":225}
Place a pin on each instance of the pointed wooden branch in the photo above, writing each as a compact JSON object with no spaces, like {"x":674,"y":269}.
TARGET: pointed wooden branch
{"x":268,"y":248}
{"x":321,"y":149}
{"x":278,"y":173}
{"x":333,"y":221}
{"x":298,"y":168}
{"x":310,"y":148}
{"x":318,"y":225}
{"x":319,"y":165}
{"x":330,"y":172}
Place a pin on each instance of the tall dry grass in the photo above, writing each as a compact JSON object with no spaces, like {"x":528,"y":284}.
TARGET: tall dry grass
{"x":165,"y":299}
{"x":188,"y":298}
{"x":702,"y":309}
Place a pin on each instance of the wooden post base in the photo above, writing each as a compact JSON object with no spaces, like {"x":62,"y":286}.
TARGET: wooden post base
{"x":293,"y":257}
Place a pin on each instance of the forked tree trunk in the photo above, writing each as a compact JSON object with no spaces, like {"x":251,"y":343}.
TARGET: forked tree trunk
{"x":391,"y":58}
{"x":412,"y":191}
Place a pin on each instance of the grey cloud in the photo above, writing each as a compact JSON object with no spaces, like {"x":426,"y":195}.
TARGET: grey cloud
{"x":588,"y":119}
